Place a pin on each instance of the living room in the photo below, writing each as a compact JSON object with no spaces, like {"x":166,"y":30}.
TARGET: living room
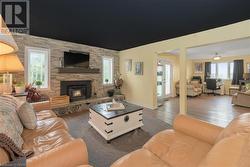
{"x":217,"y":61}
{"x":92,"y":93}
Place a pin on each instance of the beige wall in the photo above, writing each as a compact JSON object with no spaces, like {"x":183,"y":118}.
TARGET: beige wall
{"x":223,"y":59}
{"x":142,"y":89}
{"x":138,"y":88}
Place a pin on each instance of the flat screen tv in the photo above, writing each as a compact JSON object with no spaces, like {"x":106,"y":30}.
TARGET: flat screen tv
{"x":76,"y":59}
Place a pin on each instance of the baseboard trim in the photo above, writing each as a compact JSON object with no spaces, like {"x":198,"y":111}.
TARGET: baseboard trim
{"x":145,"y":106}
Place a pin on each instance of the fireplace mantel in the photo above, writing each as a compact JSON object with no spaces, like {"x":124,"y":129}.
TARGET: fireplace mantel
{"x":78,"y":70}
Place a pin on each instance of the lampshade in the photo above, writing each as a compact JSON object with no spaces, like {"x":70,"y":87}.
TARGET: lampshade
{"x":10,"y":63}
{"x":7,"y":43}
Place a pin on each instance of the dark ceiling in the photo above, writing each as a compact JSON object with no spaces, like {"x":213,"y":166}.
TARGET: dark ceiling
{"x":119,"y":25}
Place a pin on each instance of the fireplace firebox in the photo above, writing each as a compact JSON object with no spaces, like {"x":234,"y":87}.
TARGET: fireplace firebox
{"x":76,"y":90}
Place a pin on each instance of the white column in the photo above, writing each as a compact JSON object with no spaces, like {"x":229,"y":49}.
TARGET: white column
{"x":183,"y":81}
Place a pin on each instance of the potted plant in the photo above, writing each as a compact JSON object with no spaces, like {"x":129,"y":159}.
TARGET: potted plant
{"x":106,"y":81}
{"x":38,"y":84}
{"x":118,"y":81}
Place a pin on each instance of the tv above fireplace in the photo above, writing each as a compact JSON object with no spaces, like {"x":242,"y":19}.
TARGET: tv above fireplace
{"x":76,"y":59}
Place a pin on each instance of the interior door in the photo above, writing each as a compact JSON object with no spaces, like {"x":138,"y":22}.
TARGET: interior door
{"x":167,"y":80}
{"x":160,"y":81}
{"x":164,"y":82}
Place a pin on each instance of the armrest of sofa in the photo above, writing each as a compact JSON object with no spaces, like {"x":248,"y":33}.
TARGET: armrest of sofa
{"x":71,"y":154}
{"x":39,"y":106}
{"x":197,"y":129}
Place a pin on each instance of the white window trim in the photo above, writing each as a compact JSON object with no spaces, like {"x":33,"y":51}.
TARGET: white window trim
{"x":26,"y":64}
{"x":216,"y":69}
{"x":112,"y":83}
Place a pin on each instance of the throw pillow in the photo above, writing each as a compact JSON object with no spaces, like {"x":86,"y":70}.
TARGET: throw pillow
{"x":8,"y":128}
{"x":27,"y":115}
{"x":10,"y":104}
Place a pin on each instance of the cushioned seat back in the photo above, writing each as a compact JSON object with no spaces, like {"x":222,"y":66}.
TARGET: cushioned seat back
{"x":233,"y":151}
{"x":232,"y":148}
{"x":239,"y":125}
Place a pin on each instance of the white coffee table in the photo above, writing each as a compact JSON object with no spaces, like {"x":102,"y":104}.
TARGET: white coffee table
{"x":111,"y":124}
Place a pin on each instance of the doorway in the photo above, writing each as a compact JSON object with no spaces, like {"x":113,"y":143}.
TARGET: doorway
{"x":164,"y":81}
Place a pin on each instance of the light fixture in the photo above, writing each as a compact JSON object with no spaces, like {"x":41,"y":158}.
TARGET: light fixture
{"x":9,"y":63}
{"x":7,"y":43}
{"x":216,"y":57}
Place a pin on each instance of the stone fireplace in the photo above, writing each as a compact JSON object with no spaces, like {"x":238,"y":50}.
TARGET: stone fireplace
{"x":76,"y":90}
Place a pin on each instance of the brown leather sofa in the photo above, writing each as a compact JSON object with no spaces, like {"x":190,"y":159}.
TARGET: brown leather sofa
{"x":52,"y":144}
{"x":193,"y":143}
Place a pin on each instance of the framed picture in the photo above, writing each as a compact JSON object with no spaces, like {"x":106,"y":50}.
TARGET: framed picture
{"x":248,"y":67}
{"x":198,"y":68}
{"x":138,"y":68}
{"x":128,"y":65}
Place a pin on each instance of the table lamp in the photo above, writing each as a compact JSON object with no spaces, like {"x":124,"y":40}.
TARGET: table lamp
{"x":7,"y":43}
{"x":9,"y":63}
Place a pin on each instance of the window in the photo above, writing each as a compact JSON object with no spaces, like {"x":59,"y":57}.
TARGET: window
{"x":213,"y":70}
{"x":231,"y":70}
{"x":37,"y":63}
{"x":107,"y":69}
{"x":223,"y":70}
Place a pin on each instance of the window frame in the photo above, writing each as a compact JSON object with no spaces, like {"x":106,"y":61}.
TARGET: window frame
{"x":217,"y":67}
{"x":26,"y":63}
{"x":112,"y":71}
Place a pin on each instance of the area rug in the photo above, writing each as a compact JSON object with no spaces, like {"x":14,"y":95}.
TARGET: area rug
{"x":102,"y":154}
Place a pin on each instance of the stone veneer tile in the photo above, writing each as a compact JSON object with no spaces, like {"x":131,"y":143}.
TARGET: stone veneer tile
{"x":57,"y":48}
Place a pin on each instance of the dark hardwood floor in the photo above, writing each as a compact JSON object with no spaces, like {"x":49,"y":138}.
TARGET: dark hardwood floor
{"x":217,"y":110}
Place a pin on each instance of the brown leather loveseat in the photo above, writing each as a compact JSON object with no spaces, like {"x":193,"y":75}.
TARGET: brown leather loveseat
{"x":52,"y":144}
{"x":193,"y":143}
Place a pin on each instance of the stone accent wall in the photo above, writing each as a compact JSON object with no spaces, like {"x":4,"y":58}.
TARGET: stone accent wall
{"x":57,"y":49}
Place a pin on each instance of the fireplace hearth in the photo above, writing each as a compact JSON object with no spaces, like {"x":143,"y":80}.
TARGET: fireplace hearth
{"x":76,"y":90}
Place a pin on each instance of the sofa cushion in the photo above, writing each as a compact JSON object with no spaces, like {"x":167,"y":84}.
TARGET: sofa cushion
{"x":44,"y":127}
{"x":247,"y":92}
{"x":233,"y":151}
{"x":45,"y":114}
{"x":239,"y":125}
{"x":27,"y":115}
{"x":141,"y":157}
{"x":177,"y":149}
{"x":8,"y":128}
{"x":10,"y":105}
{"x":47,"y":142}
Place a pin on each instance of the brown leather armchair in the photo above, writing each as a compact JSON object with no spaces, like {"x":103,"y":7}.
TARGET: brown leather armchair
{"x":193,"y":143}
